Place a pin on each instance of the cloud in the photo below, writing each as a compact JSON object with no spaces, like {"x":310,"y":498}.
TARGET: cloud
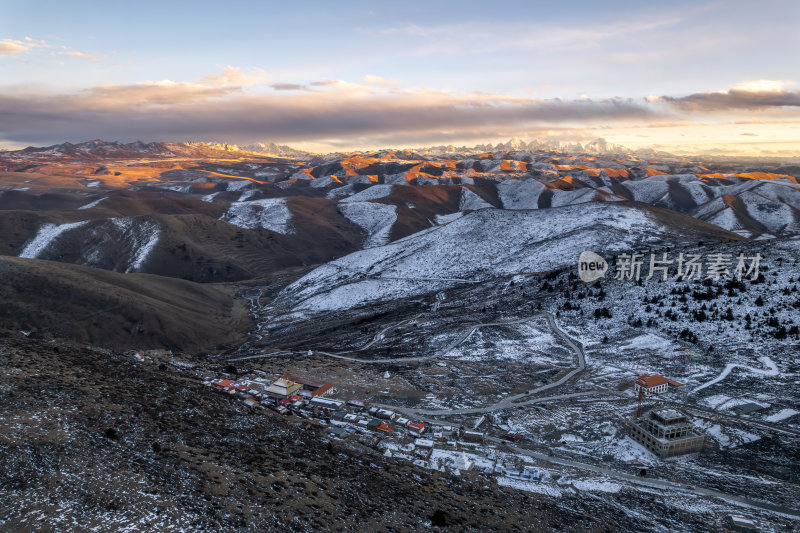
{"x":377,"y":80}
{"x":10,"y":46}
{"x":235,"y":76}
{"x":761,"y":94}
{"x":168,"y":110}
{"x":490,"y":37}
{"x":81,"y":55}
{"x":343,"y":86}
{"x":762,"y":85}
{"x":289,"y":87}
{"x":149,"y":93}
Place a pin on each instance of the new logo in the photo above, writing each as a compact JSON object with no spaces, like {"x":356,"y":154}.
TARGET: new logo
{"x":591,"y":266}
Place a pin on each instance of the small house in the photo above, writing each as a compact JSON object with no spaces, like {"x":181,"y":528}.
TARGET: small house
{"x":416,"y":427}
{"x":385,"y":414}
{"x":225,"y":384}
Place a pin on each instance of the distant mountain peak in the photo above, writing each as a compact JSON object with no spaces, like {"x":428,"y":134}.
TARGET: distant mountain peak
{"x":516,"y":144}
{"x":98,"y":149}
{"x":274,"y":149}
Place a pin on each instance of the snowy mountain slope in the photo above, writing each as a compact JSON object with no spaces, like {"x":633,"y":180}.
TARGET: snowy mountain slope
{"x":46,"y":235}
{"x":471,"y":201}
{"x":376,"y":192}
{"x":269,"y":213}
{"x":375,"y":218}
{"x":512,"y":175}
{"x":578,"y":196}
{"x":777,"y":217}
{"x":520,"y":194}
{"x":479,"y":246}
{"x":122,"y":243}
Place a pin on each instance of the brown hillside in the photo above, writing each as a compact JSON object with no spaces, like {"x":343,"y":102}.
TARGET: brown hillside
{"x":121,"y":311}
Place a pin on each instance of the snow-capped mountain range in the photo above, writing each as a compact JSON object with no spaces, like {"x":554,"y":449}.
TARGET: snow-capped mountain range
{"x":207,"y":211}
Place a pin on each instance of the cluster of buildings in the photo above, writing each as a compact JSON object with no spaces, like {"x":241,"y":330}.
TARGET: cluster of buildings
{"x":664,"y":432}
{"x":309,"y":398}
{"x":279,"y":394}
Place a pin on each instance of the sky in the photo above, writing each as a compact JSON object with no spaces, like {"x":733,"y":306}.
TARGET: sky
{"x":693,"y":77}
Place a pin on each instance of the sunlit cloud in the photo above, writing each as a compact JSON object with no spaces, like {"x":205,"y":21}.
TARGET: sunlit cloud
{"x":236,"y":105}
{"x":762,"y":86}
{"x":164,"y":92}
{"x":178,"y":110}
{"x":81,"y":55}
{"x":235,"y":76}
{"x":378,"y":80}
{"x":11,"y":46}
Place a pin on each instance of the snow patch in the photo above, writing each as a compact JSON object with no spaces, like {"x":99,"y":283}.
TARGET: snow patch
{"x":375,"y":192}
{"x":92,"y":204}
{"x":783,"y":414}
{"x":46,"y":235}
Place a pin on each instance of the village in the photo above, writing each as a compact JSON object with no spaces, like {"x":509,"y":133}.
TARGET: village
{"x":312,"y":400}
{"x":474,"y":447}
{"x":664,"y":432}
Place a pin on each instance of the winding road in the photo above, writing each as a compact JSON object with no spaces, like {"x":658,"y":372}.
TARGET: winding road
{"x":399,"y":360}
{"x":769,"y":370}
{"x":515,"y":400}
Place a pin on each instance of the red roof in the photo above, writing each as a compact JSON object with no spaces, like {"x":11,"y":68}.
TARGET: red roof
{"x":322,"y":390}
{"x":418,"y":426}
{"x":646,"y":380}
{"x":225,"y":383}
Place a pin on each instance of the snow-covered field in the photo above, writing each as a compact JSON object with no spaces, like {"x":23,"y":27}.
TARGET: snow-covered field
{"x":269,"y":213}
